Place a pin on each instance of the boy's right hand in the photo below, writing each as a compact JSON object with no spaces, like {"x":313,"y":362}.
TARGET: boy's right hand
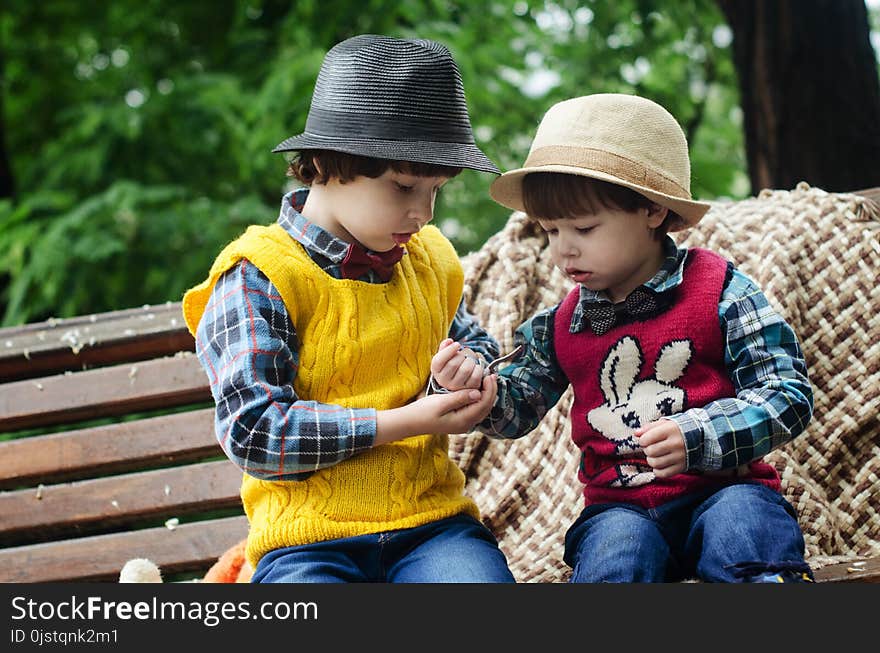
{"x":456,"y":368}
{"x":441,"y":414}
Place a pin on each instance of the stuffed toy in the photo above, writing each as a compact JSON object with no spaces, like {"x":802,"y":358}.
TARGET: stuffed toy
{"x":231,"y":567}
{"x":140,"y":570}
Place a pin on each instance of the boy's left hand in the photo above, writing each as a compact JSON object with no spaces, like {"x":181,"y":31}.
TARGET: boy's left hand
{"x":664,"y":447}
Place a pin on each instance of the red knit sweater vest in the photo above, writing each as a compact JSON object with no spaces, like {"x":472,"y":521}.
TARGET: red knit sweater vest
{"x":639,"y":372}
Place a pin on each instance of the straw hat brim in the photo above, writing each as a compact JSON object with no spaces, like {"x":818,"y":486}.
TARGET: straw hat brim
{"x":461,"y":155}
{"x":507,"y":191}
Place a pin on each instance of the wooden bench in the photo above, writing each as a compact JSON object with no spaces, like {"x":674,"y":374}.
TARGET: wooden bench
{"x":112,"y":454}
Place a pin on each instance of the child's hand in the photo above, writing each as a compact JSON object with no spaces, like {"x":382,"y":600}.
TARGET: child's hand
{"x":454,"y":412}
{"x":451,"y":413}
{"x":456,"y":368}
{"x":664,"y":447}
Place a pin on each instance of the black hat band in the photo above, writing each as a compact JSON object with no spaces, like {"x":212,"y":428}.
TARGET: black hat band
{"x":338,"y":124}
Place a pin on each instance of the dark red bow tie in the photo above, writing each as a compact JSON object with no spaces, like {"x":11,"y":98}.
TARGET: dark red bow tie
{"x":358,"y":261}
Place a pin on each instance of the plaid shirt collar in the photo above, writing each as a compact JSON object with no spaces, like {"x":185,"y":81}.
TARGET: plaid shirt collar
{"x":314,"y":238}
{"x":668,"y":276}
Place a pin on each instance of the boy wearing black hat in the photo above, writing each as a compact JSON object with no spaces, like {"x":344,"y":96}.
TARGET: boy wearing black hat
{"x":317,"y":335}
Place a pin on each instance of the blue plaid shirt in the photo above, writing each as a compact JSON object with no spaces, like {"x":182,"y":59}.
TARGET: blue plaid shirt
{"x":773,"y":402}
{"x":246,"y":336}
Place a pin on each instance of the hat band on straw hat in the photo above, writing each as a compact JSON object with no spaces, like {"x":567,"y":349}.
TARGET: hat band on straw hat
{"x":372,"y":126}
{"x":608,"y":163}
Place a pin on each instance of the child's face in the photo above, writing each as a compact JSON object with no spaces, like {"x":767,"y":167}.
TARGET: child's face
{"x":611,"y":250}
{"x":379,"y":212}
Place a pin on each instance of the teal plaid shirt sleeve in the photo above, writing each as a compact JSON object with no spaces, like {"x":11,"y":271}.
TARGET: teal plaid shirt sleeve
{"x":467,"y":330}
{"x":774,"y":398}
{"x":529,"y":386}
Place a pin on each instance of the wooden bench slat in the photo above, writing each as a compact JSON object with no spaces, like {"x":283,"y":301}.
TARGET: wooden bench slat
{"x":108,"y":449}
{"x":43,"y":348}
{"x":189,"y":547}
{"x":864,"y":571}
{"x":54,"y":510}
{"x":67,"y":398}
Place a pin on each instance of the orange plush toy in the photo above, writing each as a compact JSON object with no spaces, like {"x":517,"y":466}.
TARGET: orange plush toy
{"x":231,"y":567}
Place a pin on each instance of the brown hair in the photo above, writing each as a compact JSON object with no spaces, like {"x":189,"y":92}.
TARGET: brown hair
{"x":320,"y":166}
{"x":557,"y":195}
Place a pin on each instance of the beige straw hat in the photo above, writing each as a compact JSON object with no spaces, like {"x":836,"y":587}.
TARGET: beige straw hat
{"x":623,"y":139}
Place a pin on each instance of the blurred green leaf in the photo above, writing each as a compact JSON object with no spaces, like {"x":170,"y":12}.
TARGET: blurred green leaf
{"x":139,"y":133}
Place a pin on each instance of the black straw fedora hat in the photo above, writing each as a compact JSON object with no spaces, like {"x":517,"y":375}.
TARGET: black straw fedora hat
{"x":391,"y":98}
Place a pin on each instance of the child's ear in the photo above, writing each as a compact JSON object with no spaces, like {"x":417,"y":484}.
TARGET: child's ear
{"x":317,"y":167}
{"x":656,"y":215}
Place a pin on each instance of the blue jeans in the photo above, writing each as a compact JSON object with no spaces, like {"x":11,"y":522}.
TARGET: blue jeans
{"x":458,"y":549}
{"x":735,"y":534}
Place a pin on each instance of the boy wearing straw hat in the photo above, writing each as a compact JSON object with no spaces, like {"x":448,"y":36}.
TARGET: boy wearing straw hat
{"x":683,"y":376}
{"x":317,"y":334}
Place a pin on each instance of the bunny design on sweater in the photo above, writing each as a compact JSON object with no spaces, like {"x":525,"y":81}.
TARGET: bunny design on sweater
{"x":642,"y":371}
{"x":631,"y":403}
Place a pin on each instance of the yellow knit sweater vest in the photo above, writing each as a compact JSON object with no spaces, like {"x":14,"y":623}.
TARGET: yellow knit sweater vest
{"x":361,"y":345}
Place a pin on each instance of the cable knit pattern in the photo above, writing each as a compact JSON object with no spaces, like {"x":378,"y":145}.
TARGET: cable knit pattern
{"x":361,"y":345}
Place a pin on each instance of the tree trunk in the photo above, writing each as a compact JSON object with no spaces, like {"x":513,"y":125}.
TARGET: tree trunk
{"x":810,"y":92}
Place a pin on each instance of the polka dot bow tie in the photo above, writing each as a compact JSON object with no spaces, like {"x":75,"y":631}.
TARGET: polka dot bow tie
{"x":641,"y":304}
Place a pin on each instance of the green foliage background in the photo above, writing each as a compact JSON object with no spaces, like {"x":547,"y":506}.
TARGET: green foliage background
{"x":140,"y":133}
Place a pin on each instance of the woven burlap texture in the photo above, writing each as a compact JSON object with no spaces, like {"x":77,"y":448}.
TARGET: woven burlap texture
{"x":817,"y":257}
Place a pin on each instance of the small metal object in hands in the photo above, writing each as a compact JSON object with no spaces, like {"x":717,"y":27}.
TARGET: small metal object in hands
{"x":495,"y":364}
{"x":436,"y":388}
